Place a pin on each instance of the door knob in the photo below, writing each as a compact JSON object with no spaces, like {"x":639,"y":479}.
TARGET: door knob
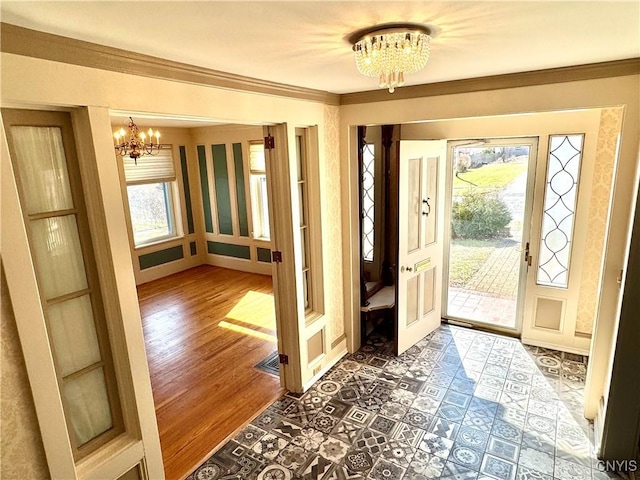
{"x":408,"y":269}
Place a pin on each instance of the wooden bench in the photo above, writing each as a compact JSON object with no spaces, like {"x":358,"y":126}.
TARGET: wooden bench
{"x":383,"y":301}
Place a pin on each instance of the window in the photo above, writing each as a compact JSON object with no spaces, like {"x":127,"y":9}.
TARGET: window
{"x":258,"y":190}
{"x":150,"y":187}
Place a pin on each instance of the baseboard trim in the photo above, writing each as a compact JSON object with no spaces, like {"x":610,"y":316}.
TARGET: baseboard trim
{"x":555,"y":346}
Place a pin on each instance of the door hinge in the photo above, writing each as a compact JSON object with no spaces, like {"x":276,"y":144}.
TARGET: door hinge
{"x":284,"y":359}
{"x":269,"y":142}
{"x":276,"y":256}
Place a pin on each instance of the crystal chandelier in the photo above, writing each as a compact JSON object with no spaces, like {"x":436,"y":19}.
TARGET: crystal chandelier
{"x":135,"y":143}
{"x":391,"y":51}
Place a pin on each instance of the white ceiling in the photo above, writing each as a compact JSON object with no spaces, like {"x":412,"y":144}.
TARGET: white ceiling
{"x":303,"y":43}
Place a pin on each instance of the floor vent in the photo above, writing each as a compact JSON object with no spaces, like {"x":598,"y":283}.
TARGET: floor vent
{"x":270,"y":365}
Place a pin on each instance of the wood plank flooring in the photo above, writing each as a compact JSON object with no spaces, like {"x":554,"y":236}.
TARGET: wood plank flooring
{"x":205,"y":329}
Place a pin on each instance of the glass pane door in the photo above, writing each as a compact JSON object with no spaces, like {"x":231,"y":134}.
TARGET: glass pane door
{"x":489,"y":231}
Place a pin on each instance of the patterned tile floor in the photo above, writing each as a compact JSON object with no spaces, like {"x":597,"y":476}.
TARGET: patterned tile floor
{"x":460,"y":405}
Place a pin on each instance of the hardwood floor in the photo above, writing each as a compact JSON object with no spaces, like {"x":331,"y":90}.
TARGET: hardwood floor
{"x":205,"y":329}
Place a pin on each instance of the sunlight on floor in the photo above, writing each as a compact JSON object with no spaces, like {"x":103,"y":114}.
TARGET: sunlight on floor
{"x":255,"y":308}
{"x":248,"y":331}
{"x":458,"y":405}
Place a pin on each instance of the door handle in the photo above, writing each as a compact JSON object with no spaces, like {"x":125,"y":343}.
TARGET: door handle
{"x":403,"y":268}
{"x":428,"y":207}
{"x":527,"y":257}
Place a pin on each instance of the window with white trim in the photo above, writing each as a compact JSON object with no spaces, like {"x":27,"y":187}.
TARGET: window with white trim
{"x":258,"y":191}
{"x":150,"y":191}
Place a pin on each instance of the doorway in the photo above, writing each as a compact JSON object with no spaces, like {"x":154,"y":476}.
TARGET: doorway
{"x":489,"y":199}
{"x":206,"y":285}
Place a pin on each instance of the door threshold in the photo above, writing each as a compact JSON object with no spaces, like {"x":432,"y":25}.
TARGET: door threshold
{"x":482,"y":328}
{"x":458,"y":323}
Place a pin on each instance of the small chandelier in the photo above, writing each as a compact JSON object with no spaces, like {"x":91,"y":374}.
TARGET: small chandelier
{"x":391,"y":51}
{"x":135,"y":143}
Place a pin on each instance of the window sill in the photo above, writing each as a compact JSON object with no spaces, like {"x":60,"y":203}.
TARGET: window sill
{"x":161,"y":241}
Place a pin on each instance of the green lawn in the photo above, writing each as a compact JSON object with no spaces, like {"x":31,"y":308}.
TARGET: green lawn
{"x":492,"y":176}
{"x":467,"y":256}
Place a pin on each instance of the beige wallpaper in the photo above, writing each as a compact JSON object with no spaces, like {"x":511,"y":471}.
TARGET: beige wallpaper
{"x":22,"y":453}
{"x":331,"y":224}
{"x":610,"y":125}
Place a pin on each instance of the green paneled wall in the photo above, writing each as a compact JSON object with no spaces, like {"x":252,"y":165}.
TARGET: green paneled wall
{"x":223,"y":198}
{"x":264,"y":255}
{"x":241,"y":197}
{"x":194,"y":248}
{"x":149,"y":260}
{"x":187,"y":189}
{"x":229,"y":250}
{"x":204,"y":184}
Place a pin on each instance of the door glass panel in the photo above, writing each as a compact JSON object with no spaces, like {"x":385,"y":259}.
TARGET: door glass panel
{"x":429,"y":291}
{"x":299,"y":157}
{"x":563,"y":169}
{"x":74,"y":334}
{"x":301,"y":204}
{"x":304,"y":245}
{"x":430,"y":207}
{"x":412,"y":299}
{"x":413,"y":211}
{"x":43,"y":168}
{"x":57,"y":249}
{"x":88,"y":403}
{"x":487,"y":226}
{"x":305,"y":288}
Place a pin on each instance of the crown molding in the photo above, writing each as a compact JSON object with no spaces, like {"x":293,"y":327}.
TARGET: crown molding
{"x":33,"y":43}
{"x":616,"y":68}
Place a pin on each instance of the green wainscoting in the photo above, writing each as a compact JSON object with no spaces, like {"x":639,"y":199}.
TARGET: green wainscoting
{"x":204,"y":184}
{"x":241,"y":197}
{"x":187,"y":189}
{"x":229,"y":250}
{"x":154,"y":259}
{"x":264,"y":255}
{"x":194,"y":248}
{"x":221,"y":181}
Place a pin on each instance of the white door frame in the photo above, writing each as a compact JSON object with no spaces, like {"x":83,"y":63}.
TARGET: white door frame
{"x":532,"y":142}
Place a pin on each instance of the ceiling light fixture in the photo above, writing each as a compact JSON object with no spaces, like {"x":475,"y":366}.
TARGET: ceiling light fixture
{"x":391,"y":51}
{"x":135,"y":145}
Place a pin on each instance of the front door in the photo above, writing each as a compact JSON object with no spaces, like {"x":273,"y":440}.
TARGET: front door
{"x":487,"y":247}
{"x":420,"y":239}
